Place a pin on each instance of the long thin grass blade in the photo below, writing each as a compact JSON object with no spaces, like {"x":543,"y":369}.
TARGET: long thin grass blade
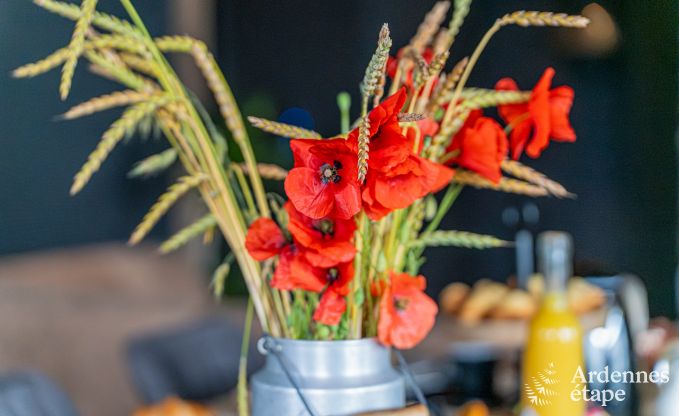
{"x":188,"y":233}
{"x":111,"y":137}
{"x":153,"y":164}
{"x":76,"y":46}
{"x":282,"y":129}
{"x":164,"y":203}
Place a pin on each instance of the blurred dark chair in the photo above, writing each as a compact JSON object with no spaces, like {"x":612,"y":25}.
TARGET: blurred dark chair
{"x":198,"y":363}
{"x":29,"y":393}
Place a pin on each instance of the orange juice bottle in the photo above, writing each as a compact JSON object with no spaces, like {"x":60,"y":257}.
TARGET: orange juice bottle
{"x":553,"y":354}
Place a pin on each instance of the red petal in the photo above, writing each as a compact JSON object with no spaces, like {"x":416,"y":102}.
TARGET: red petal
{"x":387,"y":313}
{"x":410,"y":326}
{"x":306,"y":277}
{"x":264,"y":239}
{"x":483,"y":148}
{"x":281,"y":277}
{"x":328,"y":255}
{"x":330,"y":309}
{"x":308,"y":194}
{"x":347,"y":200}
{"x":539,"y":109}
{"x":560,"y":101}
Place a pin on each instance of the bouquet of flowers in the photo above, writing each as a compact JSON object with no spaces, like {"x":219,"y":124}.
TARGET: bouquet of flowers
{"x":339,"y":259}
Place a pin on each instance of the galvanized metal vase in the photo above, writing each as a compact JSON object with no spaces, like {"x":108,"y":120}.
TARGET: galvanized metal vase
{"x":334,"y":378}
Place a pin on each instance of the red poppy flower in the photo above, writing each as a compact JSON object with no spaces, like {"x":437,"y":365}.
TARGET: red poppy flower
{"x":481,"y":145}
{"x":396,"y":177}
{"x":264,"y":239}
{"x":392,"y":65}
{"x":544,"y":116}
{"x":324,"y":180}
{"x":406,"y":313}
{"x":326,"y":241}
{"x":333,"y":282}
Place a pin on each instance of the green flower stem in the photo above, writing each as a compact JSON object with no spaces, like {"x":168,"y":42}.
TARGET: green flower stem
{"x":243,"y":402}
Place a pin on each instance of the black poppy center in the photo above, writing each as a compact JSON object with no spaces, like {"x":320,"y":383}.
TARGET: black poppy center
{"x":332,"y":275}
{"x":325,"y":227}
{"x":330,"y":173}
{"x":401,"y":304}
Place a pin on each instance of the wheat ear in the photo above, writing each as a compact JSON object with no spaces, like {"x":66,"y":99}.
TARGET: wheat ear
{"x":508,"y":185}
{"x":188,"y":233}
{"x":105,"y":102}
{"x":474,"y":98}
{"x":139,"y":64}
{"x":377,"y":64}
{"x":521,"y":171}
{"x":459,"y":239}
{"x":111,"y":137}
{"x":219,"y":277}
{"x":429,"y":26}
{"x":446,"y":87}
{"x":532,"y":18}
{"x":73,"y":12}
{"x":282,"y":129}
{"x":153,"y":164}
{"x":460,"y":12}
{"x":363,"y":147}
{"x":77,"y":45}
{"x":53,"y":60}
{"x":164,"y":203}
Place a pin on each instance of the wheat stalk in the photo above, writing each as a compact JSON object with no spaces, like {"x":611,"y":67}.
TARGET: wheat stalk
{"x":363,"y":147}
{"x":109,"y":69}
{"x":105,"y":102}
{"x":465,"y":239}
{"x":267,"y":171}
{"x":119,"y":42}
{"x":153,"y":164}
{"x":377,"y":64}
{"x":188,"y":233}
{"x":532,"y":18}
{"x":512,"y":186}
{"x":282,"y":129}
{"x":102,"y":20}
{"x":111,"y":137}
{"x":429,"y":26}
{"x":164,"y":203}
{"x":77,"y":45}
{"x":521,"y":171}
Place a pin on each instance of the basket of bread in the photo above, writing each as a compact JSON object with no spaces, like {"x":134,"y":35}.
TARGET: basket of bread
{"x":490,"y":300}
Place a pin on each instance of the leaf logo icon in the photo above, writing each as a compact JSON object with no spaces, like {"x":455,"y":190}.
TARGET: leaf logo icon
{"x":538,"y":389}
